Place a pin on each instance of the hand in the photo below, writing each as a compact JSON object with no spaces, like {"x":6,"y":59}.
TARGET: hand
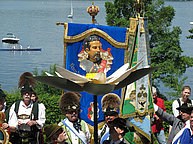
{"x":31,"y":123}
{"x":62,"y":137}
{"x":5,"y":125}
{"x":156,"y":117}
{"x":19,"y":122}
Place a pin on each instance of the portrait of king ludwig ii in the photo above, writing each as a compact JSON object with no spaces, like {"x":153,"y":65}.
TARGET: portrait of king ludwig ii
{"x":93,"y":59}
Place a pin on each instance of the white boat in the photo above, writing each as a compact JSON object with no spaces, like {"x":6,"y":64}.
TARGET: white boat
{"x":71,"y":12}
{"x":191,"y":23}
{"x":11,"y":38}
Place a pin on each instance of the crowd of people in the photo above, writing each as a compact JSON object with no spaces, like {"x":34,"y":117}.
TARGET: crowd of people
{"x":26,"y":119}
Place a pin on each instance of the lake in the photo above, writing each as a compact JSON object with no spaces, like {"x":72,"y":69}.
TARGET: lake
{"x":34,"y":22}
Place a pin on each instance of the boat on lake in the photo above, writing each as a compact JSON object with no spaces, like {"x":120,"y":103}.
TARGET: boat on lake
{"x":13,"y":48}
{"x":11,"y":38}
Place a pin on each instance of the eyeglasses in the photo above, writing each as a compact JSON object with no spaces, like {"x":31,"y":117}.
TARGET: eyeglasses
{"x":71,"y":112}
{"x":25,"y":93}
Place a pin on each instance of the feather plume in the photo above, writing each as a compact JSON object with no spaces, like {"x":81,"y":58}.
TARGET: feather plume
{"x":26,"y":80}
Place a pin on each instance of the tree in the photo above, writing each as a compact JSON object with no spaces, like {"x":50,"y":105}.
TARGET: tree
{"x":164,"y":42}
{"x":190,"y":36}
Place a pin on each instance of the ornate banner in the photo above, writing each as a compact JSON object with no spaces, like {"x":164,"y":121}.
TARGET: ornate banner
{"x":113,"y":44}
{"x":136,"y":102}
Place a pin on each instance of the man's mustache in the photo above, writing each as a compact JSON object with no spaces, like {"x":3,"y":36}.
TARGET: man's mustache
{"x":27,"y":96}
{"x":97,"y":53}
{"x":74,"y":115}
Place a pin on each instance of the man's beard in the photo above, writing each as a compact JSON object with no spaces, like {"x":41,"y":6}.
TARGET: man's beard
{"x":97,"y":58}
{"x":74,"y":115}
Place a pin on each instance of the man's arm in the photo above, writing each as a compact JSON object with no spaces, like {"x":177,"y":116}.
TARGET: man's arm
{"x":164,"y":116}
{"x":13,"y":121}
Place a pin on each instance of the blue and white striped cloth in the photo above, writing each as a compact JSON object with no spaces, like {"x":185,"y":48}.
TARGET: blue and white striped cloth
{"x":184,"y":136}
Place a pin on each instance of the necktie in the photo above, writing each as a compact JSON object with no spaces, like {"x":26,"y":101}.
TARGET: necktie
{"x":77,"y":126}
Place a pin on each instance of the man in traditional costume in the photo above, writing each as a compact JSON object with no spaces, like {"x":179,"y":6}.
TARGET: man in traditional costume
{"x":93,"y":58}
{"x":27,"y":117}
{"x":176,"y":123}
{"x":110,"y":106}
{"x":184,"y":136}
{"x":76,"y":129}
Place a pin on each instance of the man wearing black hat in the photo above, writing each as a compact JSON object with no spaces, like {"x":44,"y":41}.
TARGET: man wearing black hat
{"x":176,"y":123}
{"x":117,"y":129}
{"x":110,"y":106}
{"x":184,"y":136}
{"x":27,"y":117}
{"x":76,"y":129}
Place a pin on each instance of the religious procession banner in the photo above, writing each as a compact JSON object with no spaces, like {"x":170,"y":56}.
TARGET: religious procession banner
{"x":108,"y":54}
{"x":136,"y":100}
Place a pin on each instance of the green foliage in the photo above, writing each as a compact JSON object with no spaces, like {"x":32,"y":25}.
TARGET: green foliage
{"x":51,"y":102}
{"x":190,"y":36}
{"x":43,"y":88}
{"x":164,"y":41}
{"x":12,"y":97}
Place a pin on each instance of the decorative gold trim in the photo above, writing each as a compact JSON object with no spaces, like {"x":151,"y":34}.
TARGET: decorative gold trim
{"x":141,"y":131}
{"x":95,"y":31}
{"x":91,"y":128}
{"x":6,"y":136}
{"x":65,"y":44}
{"x":133,"y":26}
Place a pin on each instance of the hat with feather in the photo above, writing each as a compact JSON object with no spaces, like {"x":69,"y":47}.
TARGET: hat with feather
{"x":26,"y":83}
{"x":110,"y":104}
{"x":69,"y":101}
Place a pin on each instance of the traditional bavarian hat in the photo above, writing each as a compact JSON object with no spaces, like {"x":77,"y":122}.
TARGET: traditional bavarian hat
{"x":69,"y":101}
{"x":25,"y":83}
{"x":110,"y":104}
{"x":186,"y":108}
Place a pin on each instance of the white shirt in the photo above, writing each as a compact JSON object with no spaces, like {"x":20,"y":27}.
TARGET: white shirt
{"x":23,"y":109}
{"x":106,"y":134}
{"x":4,"y":107}
{"x":175,"y":105}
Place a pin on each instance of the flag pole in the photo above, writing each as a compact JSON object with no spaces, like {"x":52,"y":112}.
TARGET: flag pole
{"x":93,"y":11}
{"x":95,"y":120}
